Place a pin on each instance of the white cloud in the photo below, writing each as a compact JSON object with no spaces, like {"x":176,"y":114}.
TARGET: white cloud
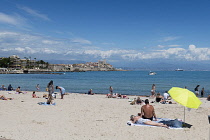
{"x":11,"y":19}
{"x":107,"y":54}
{"x":198,"y":53}
{"x":169,"y":38}
{"x":174,"y":45}
{"x":190,"y":54}
{"x":50,"y":42}
{"x":47,"y":47}
{"x":34,"y":13}
{"x":81,"y":41}
{"x":167,"y":46}
{"x":19,"y":49}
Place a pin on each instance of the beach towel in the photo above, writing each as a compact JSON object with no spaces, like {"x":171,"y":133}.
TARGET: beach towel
{"x":45,"y":103}
{"x":173,"y":124}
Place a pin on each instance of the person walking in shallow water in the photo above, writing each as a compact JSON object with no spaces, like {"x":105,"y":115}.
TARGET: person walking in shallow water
{"x":111,"y":90}
{"x":37,"y":87}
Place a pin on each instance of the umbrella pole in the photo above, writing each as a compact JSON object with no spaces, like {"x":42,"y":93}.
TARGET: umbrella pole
{"x":184,"y":114}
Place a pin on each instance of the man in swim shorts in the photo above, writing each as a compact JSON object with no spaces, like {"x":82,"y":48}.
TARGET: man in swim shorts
{"x":148,"y":111}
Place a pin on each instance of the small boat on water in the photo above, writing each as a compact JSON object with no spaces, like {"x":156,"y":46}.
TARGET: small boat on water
{"x":152,"y":73}
{"x":179,"y":69}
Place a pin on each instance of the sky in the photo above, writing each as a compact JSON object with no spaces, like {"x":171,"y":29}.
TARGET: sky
{"x":120,"y":31}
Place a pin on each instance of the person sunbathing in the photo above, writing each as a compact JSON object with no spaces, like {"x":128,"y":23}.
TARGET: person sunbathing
{"x":2,"y":97}
{"x":18,"y":91}
{"x":140,"y":120}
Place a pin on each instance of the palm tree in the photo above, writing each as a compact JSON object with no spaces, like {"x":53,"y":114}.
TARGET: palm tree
{"x":35,"y":62}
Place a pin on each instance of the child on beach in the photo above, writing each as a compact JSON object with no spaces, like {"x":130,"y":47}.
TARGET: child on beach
{"x":34,"y":95}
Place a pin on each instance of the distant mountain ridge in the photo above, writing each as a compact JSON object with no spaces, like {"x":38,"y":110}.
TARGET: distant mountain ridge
{"x":149,"y":65}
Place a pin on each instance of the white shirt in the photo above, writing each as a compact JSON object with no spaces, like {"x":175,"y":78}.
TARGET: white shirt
{"x":166,"y":95}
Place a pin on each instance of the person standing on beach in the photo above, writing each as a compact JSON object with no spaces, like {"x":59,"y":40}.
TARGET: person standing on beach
{"x":148,"y":111}
{"x":196,"y":90}
{"x":50,"y":88}
{"x":111,"y":90}
{"x":153,"y":90}
{"x":202,"y":92}
{"x":62,"y":91}
{"x":37,"y":87}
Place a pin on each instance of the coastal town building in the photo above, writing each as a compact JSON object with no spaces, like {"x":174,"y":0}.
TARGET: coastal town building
{"x":29,"y":65}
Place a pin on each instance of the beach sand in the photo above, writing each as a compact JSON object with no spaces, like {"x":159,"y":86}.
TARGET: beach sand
{"x":93,"y":117}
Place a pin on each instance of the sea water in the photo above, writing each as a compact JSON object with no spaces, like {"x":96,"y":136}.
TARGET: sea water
{"x":124,"y":82}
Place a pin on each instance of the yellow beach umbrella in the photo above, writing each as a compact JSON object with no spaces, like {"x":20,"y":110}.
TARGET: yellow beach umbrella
{"x":184,"y":97}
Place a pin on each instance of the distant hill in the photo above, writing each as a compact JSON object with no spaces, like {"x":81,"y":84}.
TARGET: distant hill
{"x":149,"y":65}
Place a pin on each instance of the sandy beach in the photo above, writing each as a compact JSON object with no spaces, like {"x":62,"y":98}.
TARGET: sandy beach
{"x":93,"y":117}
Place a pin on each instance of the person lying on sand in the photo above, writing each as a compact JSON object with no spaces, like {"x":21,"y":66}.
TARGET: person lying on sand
{"x":140,"y":120}
{"x":117,"y":95}
{"x":2,"y":97}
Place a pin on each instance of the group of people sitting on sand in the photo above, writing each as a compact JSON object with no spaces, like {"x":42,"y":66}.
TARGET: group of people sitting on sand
{"x":51,"y":95}
{"x":115,"y":95}
{"x":165,"y":99}
{"x":137,"y":101}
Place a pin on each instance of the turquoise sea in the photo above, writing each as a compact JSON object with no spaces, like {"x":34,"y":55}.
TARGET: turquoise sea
{"x":124,"y":82}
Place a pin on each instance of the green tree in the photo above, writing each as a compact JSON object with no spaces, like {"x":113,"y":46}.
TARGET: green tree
{"x":5,"y":62}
